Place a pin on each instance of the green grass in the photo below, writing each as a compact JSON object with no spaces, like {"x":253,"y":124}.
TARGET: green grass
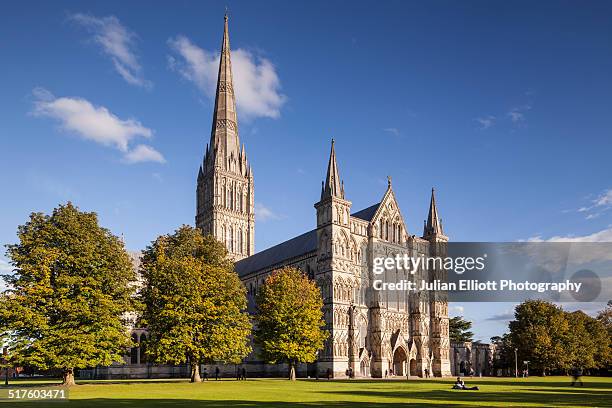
{"x":259,"y":393}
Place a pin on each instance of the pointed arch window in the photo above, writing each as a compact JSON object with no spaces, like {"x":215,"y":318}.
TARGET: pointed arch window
{"x":231,"y":239}
{"x":240,"y":241}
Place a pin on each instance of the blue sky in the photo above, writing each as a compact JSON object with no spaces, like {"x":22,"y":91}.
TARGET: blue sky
{"x":504,"y":107}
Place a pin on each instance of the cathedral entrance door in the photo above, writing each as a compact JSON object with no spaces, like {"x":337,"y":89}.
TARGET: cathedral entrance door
{"x":399,"y":362}
{"x":413,"y":368}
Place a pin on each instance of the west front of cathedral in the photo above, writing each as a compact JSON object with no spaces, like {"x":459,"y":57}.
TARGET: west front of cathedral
{"x":372,"y":333}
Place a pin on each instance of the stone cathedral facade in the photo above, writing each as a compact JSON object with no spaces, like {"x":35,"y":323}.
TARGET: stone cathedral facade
{"x":371,"y":332}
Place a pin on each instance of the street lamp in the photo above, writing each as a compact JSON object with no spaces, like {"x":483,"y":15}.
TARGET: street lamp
{"x":516,"y":362}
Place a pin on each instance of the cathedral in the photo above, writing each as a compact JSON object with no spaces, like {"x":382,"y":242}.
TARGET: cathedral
{"x":372,"y":333}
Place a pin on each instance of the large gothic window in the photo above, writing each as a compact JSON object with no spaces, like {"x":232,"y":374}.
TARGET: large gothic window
{"x":231,"y":240}
{"x":240,"y":241}
{"x":240,"y":199}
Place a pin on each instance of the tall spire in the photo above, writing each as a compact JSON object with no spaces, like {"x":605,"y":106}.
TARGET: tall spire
{"x":433,"y":224}
{"x":333,"y":186}
{"x":224,"y":133}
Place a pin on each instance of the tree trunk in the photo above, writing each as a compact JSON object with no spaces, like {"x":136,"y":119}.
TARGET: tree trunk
{"x":195,"y":373}
{"x":68,"y":378}
{"x":292,"y":371}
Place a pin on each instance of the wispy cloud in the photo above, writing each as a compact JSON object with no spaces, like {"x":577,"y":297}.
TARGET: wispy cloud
{"x":392,"y":130}
{"x":256,"y":82}
{"x":144,"y":153}
{"x":599,"y":205}
{"x":517,"y":114}
{"x":118,"y":43}
{"x":485,"y":122}
{"x":95,"y":123}
{"x":502,"y":317}
{"x":263,"y":213}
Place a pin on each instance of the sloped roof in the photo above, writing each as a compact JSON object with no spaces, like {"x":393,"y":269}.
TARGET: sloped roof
{"x":297,"y":246}
{"x":367,"y":213}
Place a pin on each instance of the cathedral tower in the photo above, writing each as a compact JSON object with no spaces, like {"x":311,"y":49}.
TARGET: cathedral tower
{"x":225,"y":206}
{"x":440,"y":339}
{"x":333,"y":259}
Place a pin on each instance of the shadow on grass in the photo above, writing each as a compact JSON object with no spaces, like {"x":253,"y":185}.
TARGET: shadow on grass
{"x":124,"y":402}
{"x":548,"y":397}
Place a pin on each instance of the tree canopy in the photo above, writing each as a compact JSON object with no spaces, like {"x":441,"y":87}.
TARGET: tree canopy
{"x":194,"y":302}
{"x":289,"y":319}
{"x":66,"y":299}
{"x":459,"y":329}
{"x":555,"y":340}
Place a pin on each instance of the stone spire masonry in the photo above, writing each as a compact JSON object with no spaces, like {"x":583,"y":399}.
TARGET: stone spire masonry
{"x":225,"y":191}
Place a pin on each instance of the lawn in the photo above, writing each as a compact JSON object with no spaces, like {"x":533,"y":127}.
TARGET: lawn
{"x":259,"y":393}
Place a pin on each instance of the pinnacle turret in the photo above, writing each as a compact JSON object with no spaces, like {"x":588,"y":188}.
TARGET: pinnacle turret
{"x":332,"y":187}
{"x":433,"y":225}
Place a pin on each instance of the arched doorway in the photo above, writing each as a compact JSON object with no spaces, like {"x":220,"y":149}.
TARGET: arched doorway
{"x":399,"y":362}
{"x":364,"y":367}
{"x":413,"y":368}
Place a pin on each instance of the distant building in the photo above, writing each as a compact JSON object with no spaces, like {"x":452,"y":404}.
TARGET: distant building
{"x":472,"y":358}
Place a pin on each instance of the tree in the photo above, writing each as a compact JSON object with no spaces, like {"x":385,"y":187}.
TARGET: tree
{"x":605,"y":317}
{"x":541,"y":332}
{"x":601,"y":339}
{"x":289,"y":319}
{"x":69,"y":291}
{"x":504,"y":352}
{"x":553,"y":339}
{"x":459,"y":329}
{"x":194,"y":302}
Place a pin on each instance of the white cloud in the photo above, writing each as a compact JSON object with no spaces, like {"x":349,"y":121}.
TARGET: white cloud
{"x":118,"y":43}
{"x":604,"y":235}
{"x":486,"y":122}
{"x":255,"y":79}
{"x":604,"y":199}
{"x":95,"y":123}
{"x":144,"y":153}
{"x":263,"y":213}
{"x":392,"y":130}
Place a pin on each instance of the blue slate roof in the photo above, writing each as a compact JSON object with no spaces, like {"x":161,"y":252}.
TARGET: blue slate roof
{"x":367,"y":213}
{"x":300,"y":245}
{"x":297,"y":246}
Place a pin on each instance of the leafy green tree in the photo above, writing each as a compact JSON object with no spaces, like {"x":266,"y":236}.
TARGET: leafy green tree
{"x":289,"y":319}
{"x":194,"y":302}
{"x":600,"y":343}
{"x":541,"y":332}
{"x":605,"y":317}
{"x":459,"y":329}
{"x":69,"y":291}
{"x":504,"y":352}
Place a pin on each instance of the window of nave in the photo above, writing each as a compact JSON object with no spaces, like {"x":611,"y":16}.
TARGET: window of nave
{"x":230,"y":243}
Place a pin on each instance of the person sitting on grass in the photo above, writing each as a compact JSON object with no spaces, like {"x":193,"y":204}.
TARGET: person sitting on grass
{"x":460,"y":385}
